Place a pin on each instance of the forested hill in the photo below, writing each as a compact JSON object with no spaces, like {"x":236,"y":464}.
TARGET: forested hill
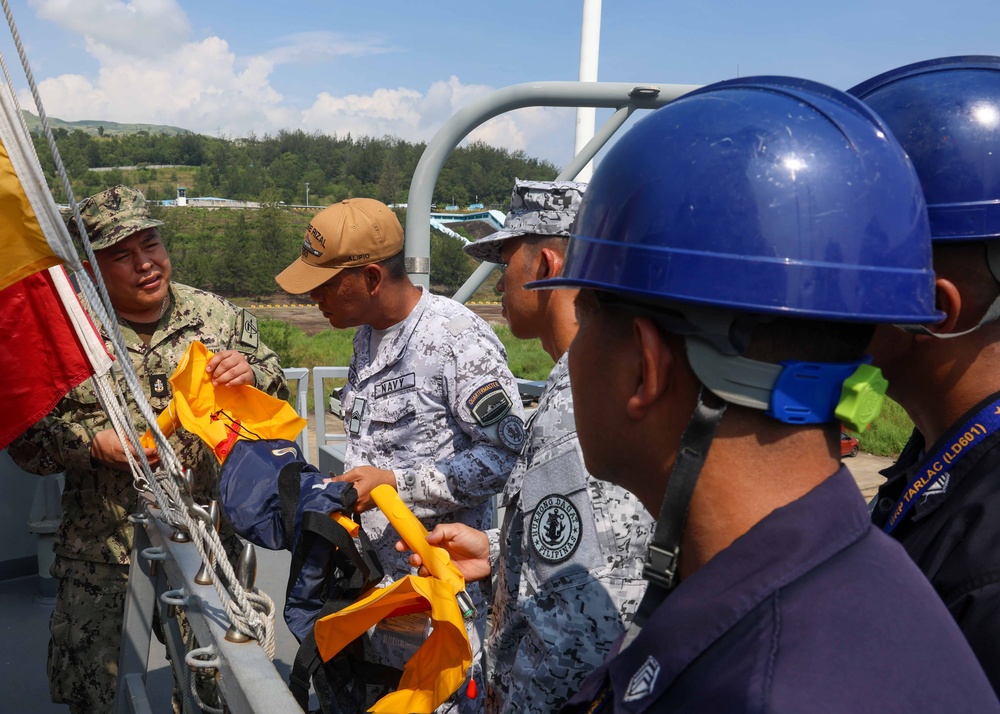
{"x":275,"y":169}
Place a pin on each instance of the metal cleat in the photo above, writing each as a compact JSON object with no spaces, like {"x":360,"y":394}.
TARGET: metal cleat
{"x":211,"y":519}
{"x":246,"y":573}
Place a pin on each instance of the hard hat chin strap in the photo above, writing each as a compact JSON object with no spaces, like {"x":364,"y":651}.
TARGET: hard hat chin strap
{"x":792,"y":392}
{"x":663,"y":556}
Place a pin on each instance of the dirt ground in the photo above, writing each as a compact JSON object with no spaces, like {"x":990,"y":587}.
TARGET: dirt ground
{"x":865,"y":468}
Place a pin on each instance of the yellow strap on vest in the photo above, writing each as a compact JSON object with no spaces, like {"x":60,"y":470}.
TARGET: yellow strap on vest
{"x":440,"y":665}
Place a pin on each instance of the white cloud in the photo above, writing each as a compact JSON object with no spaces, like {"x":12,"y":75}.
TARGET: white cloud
{"x":201,"y":86}
{"x":138,"y":27}
{"x":413,"y":116}
{"x":151,"y":72}
{"x":316,"y":47}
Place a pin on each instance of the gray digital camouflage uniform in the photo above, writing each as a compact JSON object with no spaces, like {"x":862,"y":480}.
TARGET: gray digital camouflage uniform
{"x":570,"y":565}
{"x":438,"y":405}
{"x":94,"y":541}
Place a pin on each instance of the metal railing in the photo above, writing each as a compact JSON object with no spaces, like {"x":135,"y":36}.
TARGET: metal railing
{"x":623,"y":97}
{"x":300,"y":375}
{"x":329,"y":445}
{"x":162,"y":577}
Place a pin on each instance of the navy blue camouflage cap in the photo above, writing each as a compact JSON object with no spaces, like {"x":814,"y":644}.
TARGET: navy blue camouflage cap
{"x":543,"y":208}
{"x":112,"y":216}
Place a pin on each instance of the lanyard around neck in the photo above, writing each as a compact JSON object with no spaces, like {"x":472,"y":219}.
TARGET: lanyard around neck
{"x":972,"y":433}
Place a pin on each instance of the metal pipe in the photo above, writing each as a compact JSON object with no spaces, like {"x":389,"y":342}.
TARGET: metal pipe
{"x":583,"y":158}
{"x":590,"y":46}
{"x":474,"y":282}
{"x":612,"y":95}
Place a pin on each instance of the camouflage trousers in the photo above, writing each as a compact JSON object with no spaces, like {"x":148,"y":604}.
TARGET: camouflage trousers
{"x":85,"y":630}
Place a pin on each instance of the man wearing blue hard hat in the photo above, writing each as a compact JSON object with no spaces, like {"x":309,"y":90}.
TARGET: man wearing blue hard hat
{"x":941,"y":499}
{"x":734,"y":251}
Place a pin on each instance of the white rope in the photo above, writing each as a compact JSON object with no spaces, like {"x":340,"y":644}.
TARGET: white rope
{"x":253,"y":612}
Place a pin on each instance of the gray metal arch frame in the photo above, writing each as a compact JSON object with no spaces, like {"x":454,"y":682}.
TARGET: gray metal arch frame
{"x":622,"y":96}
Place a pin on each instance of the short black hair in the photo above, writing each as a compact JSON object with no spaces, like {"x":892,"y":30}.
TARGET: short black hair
{"x":395,"y":266}
{"x":809,"y":340}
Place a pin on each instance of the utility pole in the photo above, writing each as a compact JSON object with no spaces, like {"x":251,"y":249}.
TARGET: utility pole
{"x":590,"y":43}
{"x":307,"y":194}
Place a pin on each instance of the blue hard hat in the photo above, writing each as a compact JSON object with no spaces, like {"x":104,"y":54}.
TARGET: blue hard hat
{"x":765,"y":195}
{"x":946,"y":114}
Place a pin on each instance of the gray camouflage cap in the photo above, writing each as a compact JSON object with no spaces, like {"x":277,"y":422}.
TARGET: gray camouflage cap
{"x":545,"y":208}
{"x":112,"y":216}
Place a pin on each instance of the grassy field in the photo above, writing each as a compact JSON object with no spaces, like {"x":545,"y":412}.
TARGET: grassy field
{"x":888,"y":433}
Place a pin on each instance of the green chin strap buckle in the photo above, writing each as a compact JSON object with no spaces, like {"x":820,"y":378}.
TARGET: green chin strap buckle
{"x":861,"y":397}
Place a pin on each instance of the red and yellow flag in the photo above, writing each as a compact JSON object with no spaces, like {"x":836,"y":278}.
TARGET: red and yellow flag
{"x":48,"y":347}
{"x":25,"y":249}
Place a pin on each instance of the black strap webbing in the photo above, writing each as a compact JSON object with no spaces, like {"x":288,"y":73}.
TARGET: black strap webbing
{"x":355,"y":573}
{"x":289,"y":485}
{"x":660,"y":568}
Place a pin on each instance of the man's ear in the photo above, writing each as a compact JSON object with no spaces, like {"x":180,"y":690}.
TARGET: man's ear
{"x":551,"y":263}
{"x":948,"y":300}
{"x":654,"y":370}
{"x":374,"y":277}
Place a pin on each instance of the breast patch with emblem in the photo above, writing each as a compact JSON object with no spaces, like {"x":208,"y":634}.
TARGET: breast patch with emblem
{"x":555,"y":528}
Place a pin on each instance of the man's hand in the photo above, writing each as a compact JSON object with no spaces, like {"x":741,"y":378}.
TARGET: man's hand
{"x":365,"y":478}
{"x":107,"y":449}
{"x":230,"y":368}
{"x":469,"y":550}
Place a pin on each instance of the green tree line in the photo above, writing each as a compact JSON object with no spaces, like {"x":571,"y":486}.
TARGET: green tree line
{"x":275,"y":169}
{"x":237,"y":253}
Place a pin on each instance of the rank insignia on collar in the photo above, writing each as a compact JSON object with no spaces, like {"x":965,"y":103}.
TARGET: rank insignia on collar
{"x":643,"y":681}
{"x":158,"y":385}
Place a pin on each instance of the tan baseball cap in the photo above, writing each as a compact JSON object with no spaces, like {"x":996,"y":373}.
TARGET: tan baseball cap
{"x":349,"y":234}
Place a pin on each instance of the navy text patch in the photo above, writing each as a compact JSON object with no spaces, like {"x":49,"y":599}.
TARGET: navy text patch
{"x":395,"y":384}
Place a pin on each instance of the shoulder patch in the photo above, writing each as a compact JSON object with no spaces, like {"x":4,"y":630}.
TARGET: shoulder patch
{"x":555,"y":529}
{"x":459,"y":324}
{"x":511,"y":433}
{"x":249,"y":334}
{"x":489,"y":403}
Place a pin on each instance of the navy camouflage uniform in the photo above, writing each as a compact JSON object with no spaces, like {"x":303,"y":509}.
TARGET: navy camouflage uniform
{"x":570,"y":564}
{"x":94,"y":540}
{"x":568,"y":558}
{"x":437,"y":405}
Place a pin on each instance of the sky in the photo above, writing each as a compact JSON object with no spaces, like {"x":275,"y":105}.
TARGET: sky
{"x":402,"y":67}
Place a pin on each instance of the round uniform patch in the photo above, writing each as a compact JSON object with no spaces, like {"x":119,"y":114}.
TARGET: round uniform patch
{"x":555,"y":528}
{"x":511,"y":432}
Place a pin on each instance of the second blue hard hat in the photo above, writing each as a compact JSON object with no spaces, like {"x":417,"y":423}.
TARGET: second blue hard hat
{"x":766,"y":195}
{"x":946,"y":114}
